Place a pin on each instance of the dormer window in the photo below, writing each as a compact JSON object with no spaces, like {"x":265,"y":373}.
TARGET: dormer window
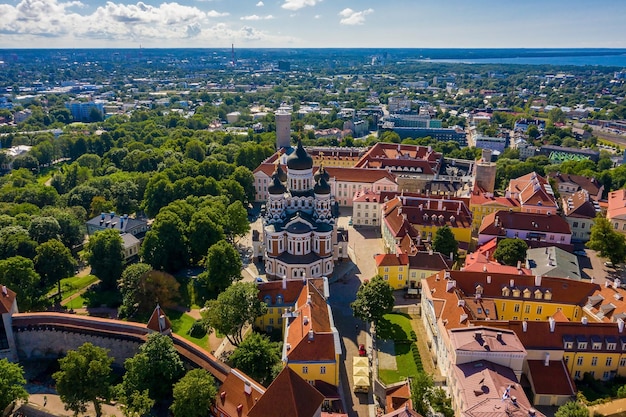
{"x":279,"y":299}
{"x":547,"y":295}
{"x":538,"y":295}
{"x":516,"y":292}
{"x":596,"y":346}
{"x":526,"y":293}
{"x":506,"y":292}
{"x":267,"y":300}
{"x":582,"y":345}
{"x":479,"y":289}
{"x":569,"y":345}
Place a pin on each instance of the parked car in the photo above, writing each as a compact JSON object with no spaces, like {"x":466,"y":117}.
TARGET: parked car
{"x":608,"y":264}
{"x":350,"y":221}
{"x":362,"y":351}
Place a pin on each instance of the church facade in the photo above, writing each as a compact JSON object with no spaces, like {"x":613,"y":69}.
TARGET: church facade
{"x":300,"y":234}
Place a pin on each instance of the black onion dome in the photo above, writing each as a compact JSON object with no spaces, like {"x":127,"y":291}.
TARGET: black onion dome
{"x":321,"y":187}
{"x":321,"y":173}
{"x":282,"y":175}
{"x":277,"y":187}
{"x":299,"y":159}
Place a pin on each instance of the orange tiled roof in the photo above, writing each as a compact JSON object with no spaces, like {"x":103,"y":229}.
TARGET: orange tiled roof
{"x":288,"y":396}
{"x":232,"y":399}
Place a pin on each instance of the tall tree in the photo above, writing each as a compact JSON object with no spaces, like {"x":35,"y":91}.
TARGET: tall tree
{"x":572,"y":409}
{"x":236,"y":221}
{"x":53,"y":262}
{"x":257,"y":356}
{"x":374,"y":299}
{"x":511,"y":251}
{"x":204,"y":232}
{"x":137,"y":404}
{"x":42,"y":229}
{"x":12,"y":383}
{"x":445,"y":243}
{"x":18,"y":273}
{"x":194,"y":394}
{"x":223,"y":267}
{"x":165,"y":245}
{"x":156,"y":368}
{"x":151,"y":287}
{"x":421,"y":387}
{"x":84,"y":376}
{"x":105,"y":254}
{"x":234,"y":309}
{"x":129,"y":285}
{"x":604,"y":239}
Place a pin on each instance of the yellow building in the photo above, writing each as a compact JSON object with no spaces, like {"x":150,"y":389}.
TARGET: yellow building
{"x":311,"y":345}
{"x":483,"y":203}
{"x":407,"y":270}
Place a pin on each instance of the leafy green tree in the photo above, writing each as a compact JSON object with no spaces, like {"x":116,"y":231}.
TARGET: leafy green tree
{"x":257,"y":356}
{"x":18,"y":273}
{"x":511,"y":251}
{"x":421,"y":387}
{"x":12,"y":383}
{"x":194,"y":394}
{"x":53,"y":262}
{"x":105,"y":254}
{"x":84,"y":376}
{"x":234,"y":309}
{"x":374,"y":299}
{"x":445,"y":243}
{"x":15,"y":241}
{"x":604,"y":239}
{"x":223,"y":267}
{"x":165,"y":245}
{"x":572,"y":409}
{"x":203,"y":233}
{"x":137,"y":404}
{"x":236,"y":221}
{"x":142,"y":290}
{"x":441,"y":402}
{"x":72,"y":231}
{"x":43,"y":229}
{"x":194,"y":149}
{"x":156,"y":368}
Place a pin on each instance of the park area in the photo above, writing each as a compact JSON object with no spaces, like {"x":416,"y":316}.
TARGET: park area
{"x":398,"y":355}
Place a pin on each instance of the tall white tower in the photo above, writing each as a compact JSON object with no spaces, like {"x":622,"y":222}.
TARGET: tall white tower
{"x":283,"y":129}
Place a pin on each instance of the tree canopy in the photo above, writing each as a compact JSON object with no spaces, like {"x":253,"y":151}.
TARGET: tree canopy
{"x":12,"y":383}
{"x":105,"y":254}
{"x":374,"y":299}
{"x":445,"y":243}
{"x":194,"y":394}
{"x":84,"y":376}
{"x":604,"y":239}
{"x":572,"y":409}
{"x":223,"y":267}
{"x":511,"y":251}
{"x":258,"y":357}
{"x":234,"y":309}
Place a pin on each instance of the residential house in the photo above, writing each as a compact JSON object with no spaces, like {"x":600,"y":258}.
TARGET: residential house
{"x":534,"y":194}
{"x":421,"y":217}
{"x":552,"y":261}
{"x":533,"y":228}
{"x":568,"y":184}
{"x":580,"y":211}
{"x":406,"y":270}
{"x":483,"y":203}
{"x":122,"y":223}
{"x":366,"y":208}
{"x":616,"y":213}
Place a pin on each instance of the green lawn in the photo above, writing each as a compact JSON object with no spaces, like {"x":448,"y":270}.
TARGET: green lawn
{"x":181,"y":323}
{"x":69,"y":286}
{"x":397,"y":327}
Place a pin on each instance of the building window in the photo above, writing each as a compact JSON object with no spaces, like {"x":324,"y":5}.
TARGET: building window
{"x":400,"y":277}
{"x":516,"y":309}
{"x":606,"y":375}
{"x":577,"y":375}
{"x":305,"y":369}
{"x":622,"y":362}
{"x":566,"y":359}
{"x":386,"y":269}
{"x":322,"y":370}
{"x":539,"y":309}
{"x":579,"y":361}
{"x":386,"y":277}
{"x":594,"y":361}
{"x":503,"y":306}
{"x":527,"y":309}
{"x":609,"y":361}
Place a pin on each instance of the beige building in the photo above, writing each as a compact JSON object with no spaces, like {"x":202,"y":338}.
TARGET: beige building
{"x":616,"y":212}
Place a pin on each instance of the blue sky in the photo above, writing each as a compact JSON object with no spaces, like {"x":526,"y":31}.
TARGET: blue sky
{"x":313,"y":23}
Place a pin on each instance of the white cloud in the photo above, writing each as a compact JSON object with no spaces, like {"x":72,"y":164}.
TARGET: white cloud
{"x":215,"y":13}
{"x":260,"y":4}
{"x":352,"y":17}
{"x":317,"y":16}
{"x":299,"y":4}
{"x":257,"y":17}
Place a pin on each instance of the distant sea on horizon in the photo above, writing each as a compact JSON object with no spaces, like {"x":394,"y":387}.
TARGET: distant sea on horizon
{"x":598,"y":60}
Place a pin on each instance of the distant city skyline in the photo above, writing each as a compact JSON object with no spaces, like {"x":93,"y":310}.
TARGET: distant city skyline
{"x":312,"y":23}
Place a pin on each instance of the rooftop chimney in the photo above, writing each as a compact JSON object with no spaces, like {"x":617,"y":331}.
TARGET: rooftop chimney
{"x":584,"y":320}
{"x":247,"y":388}
{"x":488,"y":279}
{"x":450,"y":284}
{"x":620,"y":325}
{"x":552,"y":324}
{"x":284,"y":282}
{"x":524,"y":326}
{"x":311,"y":334}
{"x":546,"y":361}
{"x":537,"y":280}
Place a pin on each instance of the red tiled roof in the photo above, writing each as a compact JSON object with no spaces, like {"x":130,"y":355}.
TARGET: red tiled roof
{"x":6,"y":299}
{"x":391,"y":259}
{"x":359,"y":174}
{"x":398,"y":397}
{"x":153,"y":323}
{"x":232,"y":394}
{"x":589,"y":184}
{"x":617,"y":204}
{"x":553,"y":379}
{"x":541,"y":223}
{"x":288,"y":396}
{"x":273,"y":289}
{"x":579,"y":205}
